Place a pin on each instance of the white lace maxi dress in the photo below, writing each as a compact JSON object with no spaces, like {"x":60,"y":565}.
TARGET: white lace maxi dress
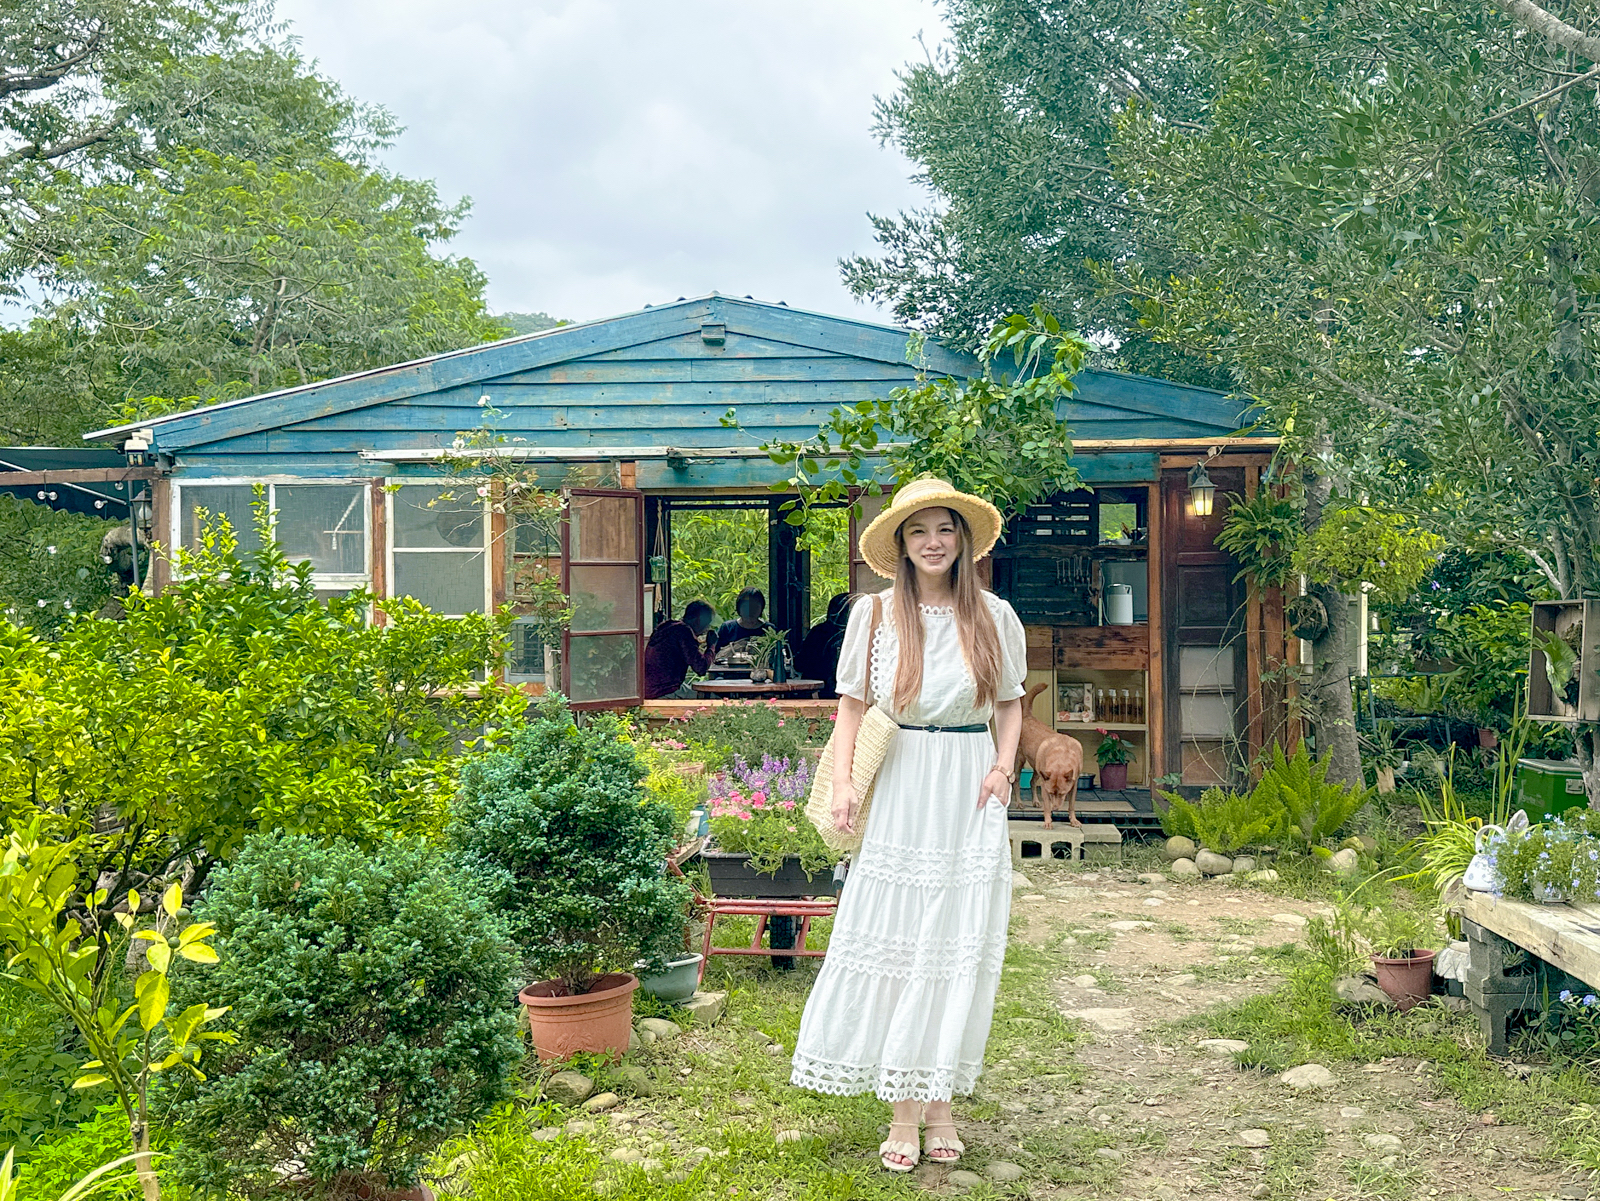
{"x":903,"y":1002}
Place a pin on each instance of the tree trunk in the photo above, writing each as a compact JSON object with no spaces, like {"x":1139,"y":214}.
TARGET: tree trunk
{"x":1333,"y":654}
{"x":149,"y":1183}
{"x":1586,"y":742}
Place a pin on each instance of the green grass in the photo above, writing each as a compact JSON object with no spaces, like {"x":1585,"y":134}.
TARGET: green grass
{"x":1301,"y":1022}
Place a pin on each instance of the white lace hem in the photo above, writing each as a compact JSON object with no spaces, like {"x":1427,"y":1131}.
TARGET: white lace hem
{"x":933,"y":960}
{"x":889,"y":1084}
{"x":921,"y":867}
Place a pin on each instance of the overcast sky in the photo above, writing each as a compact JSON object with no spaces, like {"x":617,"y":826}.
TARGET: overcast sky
{"x":624,"y":152}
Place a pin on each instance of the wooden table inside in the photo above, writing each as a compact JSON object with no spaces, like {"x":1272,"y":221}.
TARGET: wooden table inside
{"x":735,"y":689}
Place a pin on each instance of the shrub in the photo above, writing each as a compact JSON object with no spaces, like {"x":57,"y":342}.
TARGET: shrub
{"x":1224,"y":822}
{"x":747,"y":730}
{"x":36,"y":1071}
{"x":371,"y":993}
{"x":1298,"y":784}
{"x":571,"y":848}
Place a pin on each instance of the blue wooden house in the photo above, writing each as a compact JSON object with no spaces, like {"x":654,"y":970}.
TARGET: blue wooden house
{"x":627,"y":413}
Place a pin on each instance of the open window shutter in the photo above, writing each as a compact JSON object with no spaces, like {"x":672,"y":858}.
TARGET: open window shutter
{"x":602,"y":573}
{"x":862,"y":577}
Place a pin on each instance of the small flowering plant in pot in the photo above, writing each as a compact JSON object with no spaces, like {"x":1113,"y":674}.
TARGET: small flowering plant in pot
{"x":1572,"y":1027}
{"x":758,"y":817}
{"x":1114,"y":752}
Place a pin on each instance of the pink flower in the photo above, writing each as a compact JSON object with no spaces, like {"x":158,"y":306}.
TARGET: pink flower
{"x":744,"y":817}
{"x":758,"y":799}
{"x":780,"y":721}
{"x":833,"y":717}
{"x":792,"y":830}
{"x":786,"y":804}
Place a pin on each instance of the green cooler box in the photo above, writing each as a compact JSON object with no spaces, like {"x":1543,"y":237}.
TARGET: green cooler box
{"x":1548,"y":786}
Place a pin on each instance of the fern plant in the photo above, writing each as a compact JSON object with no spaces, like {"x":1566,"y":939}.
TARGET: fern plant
{"x":1315,"y":808}
{"x":1223,"y":822}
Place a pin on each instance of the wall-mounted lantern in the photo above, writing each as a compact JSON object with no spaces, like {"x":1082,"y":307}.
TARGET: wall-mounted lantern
{"x":1202,"y":492}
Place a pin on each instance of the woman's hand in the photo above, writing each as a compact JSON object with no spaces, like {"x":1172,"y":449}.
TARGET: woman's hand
{"x":844,"y":805}
{"x":995,"y":785}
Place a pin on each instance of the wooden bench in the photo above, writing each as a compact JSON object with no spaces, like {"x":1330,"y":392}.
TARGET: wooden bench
{"x":1522,"y":955}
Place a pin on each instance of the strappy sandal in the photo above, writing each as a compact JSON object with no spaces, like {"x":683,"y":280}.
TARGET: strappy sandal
{"x":893,"y":1146}
{"x":932,"y":1142}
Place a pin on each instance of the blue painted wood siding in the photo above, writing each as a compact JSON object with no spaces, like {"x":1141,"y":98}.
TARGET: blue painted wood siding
{"x":646,"y":379}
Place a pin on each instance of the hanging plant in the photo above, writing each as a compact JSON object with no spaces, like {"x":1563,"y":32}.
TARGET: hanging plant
{"x":1307,"y":617}
{"x":1262,"y":534}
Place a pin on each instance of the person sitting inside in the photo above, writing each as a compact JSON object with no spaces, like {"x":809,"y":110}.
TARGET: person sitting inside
{"x":674,"y":650}
{"x":750,"y":606}
{"x":819,"y":653}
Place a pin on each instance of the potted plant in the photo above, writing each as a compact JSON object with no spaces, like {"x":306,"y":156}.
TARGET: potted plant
{"x":767,"y":651}
{"x":1404,"y":965}
{"x":678,"y":979}
{"x":572,"y":849}
{"x":1113,"y":754}
{"x":764,"y":846}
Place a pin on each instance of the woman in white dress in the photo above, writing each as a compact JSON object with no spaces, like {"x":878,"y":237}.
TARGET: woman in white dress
{"x":903,"y":1003}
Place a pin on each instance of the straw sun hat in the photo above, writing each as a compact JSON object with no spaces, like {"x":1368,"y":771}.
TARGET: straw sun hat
{"x":878,"y":549}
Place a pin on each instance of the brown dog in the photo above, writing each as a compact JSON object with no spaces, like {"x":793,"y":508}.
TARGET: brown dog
{"x":1056,"y":759}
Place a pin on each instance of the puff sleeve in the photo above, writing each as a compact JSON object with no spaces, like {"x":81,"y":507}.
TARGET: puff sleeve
{"x":1013,"y":649}
{"x":854,"y":654}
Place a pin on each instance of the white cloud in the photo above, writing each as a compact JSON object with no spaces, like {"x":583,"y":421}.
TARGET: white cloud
{"x":623,"y":152}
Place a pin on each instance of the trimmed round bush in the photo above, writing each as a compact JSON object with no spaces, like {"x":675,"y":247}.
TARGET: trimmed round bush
{"x":371,"y":995}
{"x":570,"y":846}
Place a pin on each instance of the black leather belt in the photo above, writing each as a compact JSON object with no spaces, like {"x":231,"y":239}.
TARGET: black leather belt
{"x":979,"y":729}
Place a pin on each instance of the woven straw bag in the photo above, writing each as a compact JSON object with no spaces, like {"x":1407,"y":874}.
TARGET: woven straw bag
{"x":873,"y":739}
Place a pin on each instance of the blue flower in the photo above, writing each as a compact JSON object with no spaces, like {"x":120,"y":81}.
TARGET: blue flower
{"x":1590,"y":1001}
{"x":1566,"y":994}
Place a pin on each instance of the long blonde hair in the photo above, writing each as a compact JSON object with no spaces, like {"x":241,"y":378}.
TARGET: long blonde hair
{"x":980,"y":640}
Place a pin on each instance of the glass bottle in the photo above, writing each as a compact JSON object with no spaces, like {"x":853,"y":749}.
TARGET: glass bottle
{"x":1138,"y":704}
{"x":1100,"y":711}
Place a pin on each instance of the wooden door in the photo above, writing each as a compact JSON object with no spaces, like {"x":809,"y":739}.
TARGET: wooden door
{"x":602,"y":573}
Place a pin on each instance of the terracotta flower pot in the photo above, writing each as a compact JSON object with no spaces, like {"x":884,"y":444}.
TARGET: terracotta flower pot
{"x":1113,"y":776}
{"x":1405,"y":981}
{"x":1488,"y":739}
{"x":598,"y":1020}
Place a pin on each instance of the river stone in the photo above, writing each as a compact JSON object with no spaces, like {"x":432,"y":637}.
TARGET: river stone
{"x":1386,"y":1143}
{"x":1110,"y":1153}
{"x":627,"y":1155}
{"x":1212,"y":864}
{"x":658,"y":1029}
{"x":1085,"y":981}
{"x":635,"y":1079}
{"x":569,"y":1088}
{"x":1130,"y":924}
{"x":1184,"y":868}
{"x":1112,"y":1021}
{"x":602,"y":1102}
{"x":1254,"y":1137}
{"x":962,"y":1178}
{"x":1343,"y":863}
{"x":1149,"y":878}
{"x":652,"y":1165}
{"x":578,"y":1126}
{"x":1289,"y":919}
{"x":547,"y":1134}
{"x":787,"y":1136}
{"x":1264,"y":876}
{"x":1243,"y":865}
{"x":1018,"y":880}
{"x":704,"y":1008}
{"x":1309,"y":1076}
{"x":1003,"y":1171}
{"x":1360,"y":990}
{"x":1224,"y":1048}
{"x":1179,"y":847}
{"x":634,"y":1042}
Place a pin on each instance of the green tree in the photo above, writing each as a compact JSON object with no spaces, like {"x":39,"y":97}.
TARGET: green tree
{"x":997,"y":437}
{"x":236,"y":701}
{"x":199,"y":216}
{"x":1387,"y":221}
{"x":1009,"y":126}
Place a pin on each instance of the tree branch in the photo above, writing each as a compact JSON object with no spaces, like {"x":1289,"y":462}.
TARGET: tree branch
{"x":1551,"y":27}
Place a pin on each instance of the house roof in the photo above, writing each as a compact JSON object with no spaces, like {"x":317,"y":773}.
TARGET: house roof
{"x":662,"y":376}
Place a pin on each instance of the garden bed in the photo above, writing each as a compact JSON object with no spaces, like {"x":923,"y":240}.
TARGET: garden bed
{"x":732,"y":876}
